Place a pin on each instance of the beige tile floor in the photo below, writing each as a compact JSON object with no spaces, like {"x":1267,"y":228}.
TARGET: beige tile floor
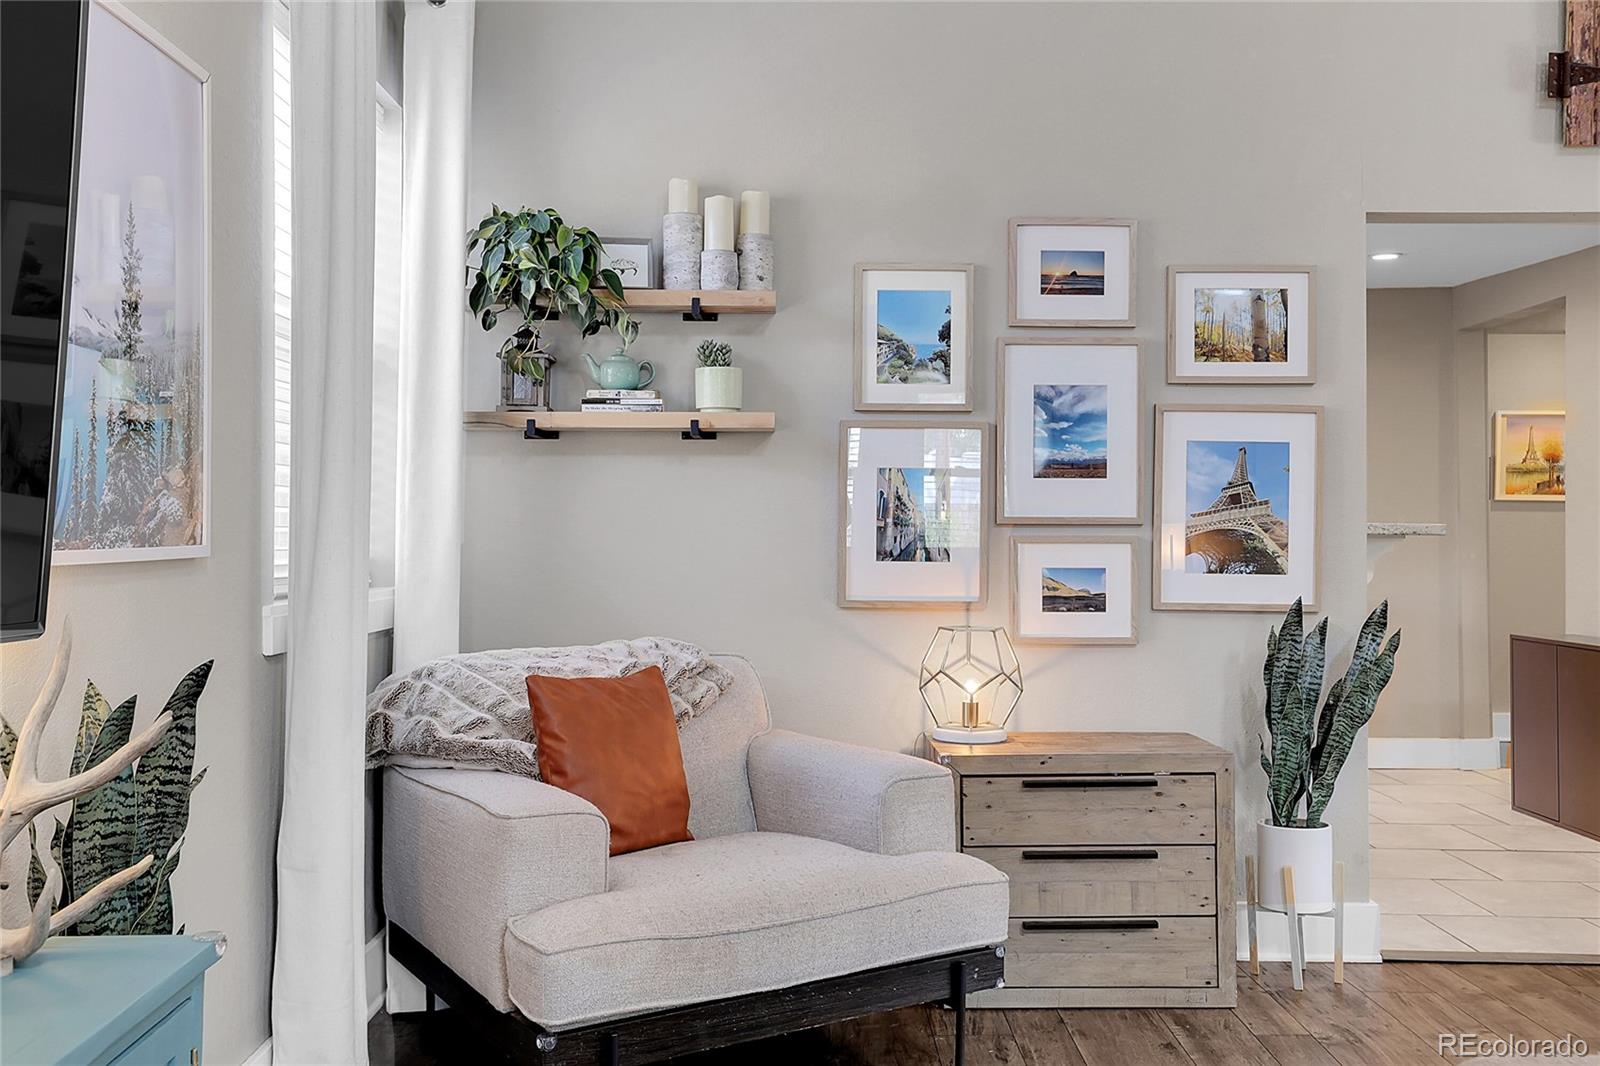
{"x":1454,"y":868}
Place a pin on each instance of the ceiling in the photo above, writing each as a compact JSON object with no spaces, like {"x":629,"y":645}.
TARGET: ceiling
{"x":1446,"y":254}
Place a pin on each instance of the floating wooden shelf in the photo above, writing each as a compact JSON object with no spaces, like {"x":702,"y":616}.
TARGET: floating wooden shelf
{"x":625,"y":421}
{"x":712,"y":301}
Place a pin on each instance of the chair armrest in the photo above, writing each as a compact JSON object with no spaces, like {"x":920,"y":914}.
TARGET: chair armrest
{"x":878,"y":801}
{"x":465,"y":851}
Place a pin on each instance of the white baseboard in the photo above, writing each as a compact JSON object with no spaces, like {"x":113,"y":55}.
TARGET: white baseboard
{"x":1272,"y":932}
{"x":1502,"y":725}
{"x":377,"y":952}
{"x":1445,"y":753}
{"x":261,"y":1056}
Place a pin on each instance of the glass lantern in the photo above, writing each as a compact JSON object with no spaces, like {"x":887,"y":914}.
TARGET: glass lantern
{"x":971,"y":683}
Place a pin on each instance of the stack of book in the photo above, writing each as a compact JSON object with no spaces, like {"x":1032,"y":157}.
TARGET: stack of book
{"x":622,"y":400}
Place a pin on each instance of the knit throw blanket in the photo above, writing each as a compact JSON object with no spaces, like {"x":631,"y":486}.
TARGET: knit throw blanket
{"x":471,"y":710}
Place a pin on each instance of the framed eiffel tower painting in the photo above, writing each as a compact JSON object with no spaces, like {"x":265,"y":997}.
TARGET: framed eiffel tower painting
{"x":1238,"y":502}
{"x":1530,"y":451}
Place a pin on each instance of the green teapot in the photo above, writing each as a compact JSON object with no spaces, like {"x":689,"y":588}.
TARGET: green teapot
{"x":620,"y":372}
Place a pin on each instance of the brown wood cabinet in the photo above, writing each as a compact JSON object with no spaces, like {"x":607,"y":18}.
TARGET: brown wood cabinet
{"x":1555,"y":730}
{"x":1119,"y":847}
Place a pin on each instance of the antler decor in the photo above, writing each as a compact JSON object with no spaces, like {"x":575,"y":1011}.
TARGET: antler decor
{"x":26,"y":796}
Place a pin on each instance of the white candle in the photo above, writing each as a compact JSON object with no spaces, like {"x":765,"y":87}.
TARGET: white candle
{"x":755,"y":212}
{"x":719,"y":223}
{"x":683,"y":194}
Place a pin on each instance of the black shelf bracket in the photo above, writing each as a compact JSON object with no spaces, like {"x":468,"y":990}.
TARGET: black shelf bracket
{"x":694,"y":432}
{"x":533,"y":432}
{"x":696,"y":313}
{"x":1564,"y":73}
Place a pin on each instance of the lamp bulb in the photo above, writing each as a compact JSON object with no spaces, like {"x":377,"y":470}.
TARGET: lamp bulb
{"x":972,"y":686}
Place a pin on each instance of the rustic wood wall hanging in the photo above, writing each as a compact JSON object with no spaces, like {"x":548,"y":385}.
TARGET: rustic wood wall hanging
{"x":1574,"y":75}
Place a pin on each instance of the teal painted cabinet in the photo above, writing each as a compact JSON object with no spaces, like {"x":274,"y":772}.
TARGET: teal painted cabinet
{"x":108,"y":1001}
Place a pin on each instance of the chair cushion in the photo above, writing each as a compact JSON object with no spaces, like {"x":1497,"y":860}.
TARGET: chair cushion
{"x":750,"y":912}
{"x":614,"y":741}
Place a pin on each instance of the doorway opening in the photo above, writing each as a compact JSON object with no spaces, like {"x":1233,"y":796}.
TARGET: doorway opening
{"x":1481,"y":850}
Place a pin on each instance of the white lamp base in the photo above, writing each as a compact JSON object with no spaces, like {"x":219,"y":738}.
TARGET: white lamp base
{"x":953,"y":734}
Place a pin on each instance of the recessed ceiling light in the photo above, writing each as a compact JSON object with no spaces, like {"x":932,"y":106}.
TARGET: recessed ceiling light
{"x":1384,"y":257}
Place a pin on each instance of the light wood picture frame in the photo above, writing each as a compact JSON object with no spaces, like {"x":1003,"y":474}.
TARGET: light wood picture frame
{"x":157,"y":101}
{"x":1530,"y":456}
{"x":925,"y":364}
{"x":1246,"y":312}
{"x":1078,"y":272}
{"x":909,"y":538}
{"x":1077,"y":391}
{"x":1116,"y":559}
{"x":1232,"y":528}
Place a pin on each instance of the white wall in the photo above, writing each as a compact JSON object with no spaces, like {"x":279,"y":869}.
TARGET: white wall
{"x":1572,"y":283}
{"x":1411,"y":477}
{"x":1527,"y":539}
{"x":1432,"y":388}
{"x":909,"y":132}
{"x":138,"y":628}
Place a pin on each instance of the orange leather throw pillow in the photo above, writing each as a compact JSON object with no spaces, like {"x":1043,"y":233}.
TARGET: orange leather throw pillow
{"x":614,"y":741}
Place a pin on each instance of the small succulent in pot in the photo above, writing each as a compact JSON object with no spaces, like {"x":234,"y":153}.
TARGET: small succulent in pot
{"x":718,"y":384}
{"x":535,"y":266}
{"x":714,"y":353}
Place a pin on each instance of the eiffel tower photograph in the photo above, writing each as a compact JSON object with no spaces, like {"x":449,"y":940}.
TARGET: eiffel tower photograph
{"x":1238,"y":503}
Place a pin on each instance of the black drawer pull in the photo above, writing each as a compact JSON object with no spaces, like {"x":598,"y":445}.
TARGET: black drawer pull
{"x":1088,"y":925}
{"x":1089,"y":782}
{"x":1087,"y":856}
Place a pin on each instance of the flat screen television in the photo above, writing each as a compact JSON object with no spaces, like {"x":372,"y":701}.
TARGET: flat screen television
{"x":41,"y":104}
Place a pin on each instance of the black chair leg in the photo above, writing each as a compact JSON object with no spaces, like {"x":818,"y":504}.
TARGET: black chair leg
{"x":610,"y":1050}
{"x":430,"y":1001}
{"x":958,"y":1003}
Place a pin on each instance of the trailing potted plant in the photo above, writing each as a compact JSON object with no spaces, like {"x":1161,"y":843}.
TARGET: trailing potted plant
{"x":1309,"y":749}
{"x":718,"y":384}
{"x":535,"y":266}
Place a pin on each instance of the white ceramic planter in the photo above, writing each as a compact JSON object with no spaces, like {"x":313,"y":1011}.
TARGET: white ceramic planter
{"x":1309,"y":852}
{"x":718,"y":388}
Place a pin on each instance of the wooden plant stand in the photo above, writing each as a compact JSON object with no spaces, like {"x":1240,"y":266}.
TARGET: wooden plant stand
{"x":1297,"y":929}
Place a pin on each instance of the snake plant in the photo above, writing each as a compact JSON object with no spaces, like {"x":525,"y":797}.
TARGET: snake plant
{"x":1309,"y":749}
{"x":142,"y":811}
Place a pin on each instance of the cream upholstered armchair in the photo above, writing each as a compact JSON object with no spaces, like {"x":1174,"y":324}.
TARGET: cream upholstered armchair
{"x":823,"y":883}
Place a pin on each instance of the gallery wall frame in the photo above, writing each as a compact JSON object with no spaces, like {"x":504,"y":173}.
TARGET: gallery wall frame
{"x":200,"y":517}
{"x":1288,"y":431}
{"x":1299,"y":367}
{"x":642,"y":256}
{"x":872,"y":281}
{"x":956,"y":580}
{"x":1533,"y":477}
{"x":1121,"y":593}
{"x":1124,"y":387}
{"x":1115,"y":240}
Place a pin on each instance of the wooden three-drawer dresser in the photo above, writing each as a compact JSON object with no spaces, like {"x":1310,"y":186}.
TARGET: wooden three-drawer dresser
{"x":1119,"y":847}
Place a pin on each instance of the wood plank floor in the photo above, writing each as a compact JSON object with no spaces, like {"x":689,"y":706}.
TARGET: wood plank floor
{"x":1385,"y":1015}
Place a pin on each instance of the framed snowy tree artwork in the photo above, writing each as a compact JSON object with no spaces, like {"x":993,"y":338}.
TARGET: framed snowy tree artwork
{"x":134,"y":470}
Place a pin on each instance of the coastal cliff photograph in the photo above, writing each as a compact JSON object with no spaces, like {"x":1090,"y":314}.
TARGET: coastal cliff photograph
{"x":914,"y":336}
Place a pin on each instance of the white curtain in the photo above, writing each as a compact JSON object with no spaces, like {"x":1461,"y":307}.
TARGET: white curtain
{"x":438,"y":72}
{"x":319,"y":978}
